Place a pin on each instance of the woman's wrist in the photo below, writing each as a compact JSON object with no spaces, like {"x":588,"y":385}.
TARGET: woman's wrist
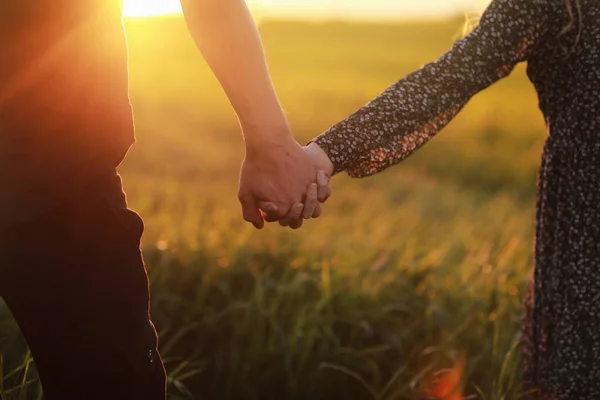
{"x":321,"y":156}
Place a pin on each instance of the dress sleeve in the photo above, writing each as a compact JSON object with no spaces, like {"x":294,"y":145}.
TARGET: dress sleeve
{"x":414,"y":109}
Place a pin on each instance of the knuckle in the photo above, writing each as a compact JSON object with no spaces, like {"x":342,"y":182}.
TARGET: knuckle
{"x":242,"y":197}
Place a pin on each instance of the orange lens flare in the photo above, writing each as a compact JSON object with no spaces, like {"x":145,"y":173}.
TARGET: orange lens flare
{"x":447,"y":384}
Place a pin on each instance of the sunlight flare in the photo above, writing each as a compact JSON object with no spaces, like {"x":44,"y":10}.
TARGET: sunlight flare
{"x":156,"y":8}
{"x":150,"y":8}
{"x":320,"y":9}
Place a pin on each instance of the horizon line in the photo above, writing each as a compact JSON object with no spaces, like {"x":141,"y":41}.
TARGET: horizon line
{"x":273,"y":17}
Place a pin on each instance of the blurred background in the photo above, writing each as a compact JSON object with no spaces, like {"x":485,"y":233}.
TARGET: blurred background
{"x":410,"y":285}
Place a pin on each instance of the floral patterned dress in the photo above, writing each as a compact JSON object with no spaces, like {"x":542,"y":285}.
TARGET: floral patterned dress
{"x":561,"y":341}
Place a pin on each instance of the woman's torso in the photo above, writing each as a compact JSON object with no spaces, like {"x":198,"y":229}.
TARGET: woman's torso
{"x":565,"y":70}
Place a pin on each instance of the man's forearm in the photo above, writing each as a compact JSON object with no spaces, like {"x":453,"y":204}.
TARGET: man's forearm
{"x":227,"y":36}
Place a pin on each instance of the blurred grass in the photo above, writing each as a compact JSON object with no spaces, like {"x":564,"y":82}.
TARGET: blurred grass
{"x":406,"y":272}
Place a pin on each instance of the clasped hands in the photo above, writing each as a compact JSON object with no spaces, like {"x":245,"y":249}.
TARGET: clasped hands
{"x":283,"y":181}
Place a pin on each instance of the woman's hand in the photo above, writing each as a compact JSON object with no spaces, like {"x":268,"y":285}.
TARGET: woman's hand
{"x":317,"y":193}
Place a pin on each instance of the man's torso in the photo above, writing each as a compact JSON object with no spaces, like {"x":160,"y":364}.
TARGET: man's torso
{"x":65,"y":115}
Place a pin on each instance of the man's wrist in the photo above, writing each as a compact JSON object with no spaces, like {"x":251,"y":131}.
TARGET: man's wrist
{"x":266,"y":137}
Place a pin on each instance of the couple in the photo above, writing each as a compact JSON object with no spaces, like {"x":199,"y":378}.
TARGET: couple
{"x":71,"y":270}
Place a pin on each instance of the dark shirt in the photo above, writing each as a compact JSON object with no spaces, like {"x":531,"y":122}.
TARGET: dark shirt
{"x":65,"y":115}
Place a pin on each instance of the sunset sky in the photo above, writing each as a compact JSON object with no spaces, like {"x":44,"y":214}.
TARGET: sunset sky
{"x":319,"y":9}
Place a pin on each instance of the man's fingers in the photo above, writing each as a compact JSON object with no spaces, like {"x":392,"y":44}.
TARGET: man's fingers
{"x":297,"y":224}
{"x":294,"y":215}
{"x":311,"y":201}
{"x":251,"y":212}
{"x":323,"y":190}
{"x":270,"y":210}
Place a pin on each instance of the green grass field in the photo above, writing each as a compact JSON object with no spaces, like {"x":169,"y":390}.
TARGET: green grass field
{"x":405,"y":274}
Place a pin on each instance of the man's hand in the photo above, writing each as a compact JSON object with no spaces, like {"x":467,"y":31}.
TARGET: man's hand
{"x":275,"y":177}
{"x":276,"y":169}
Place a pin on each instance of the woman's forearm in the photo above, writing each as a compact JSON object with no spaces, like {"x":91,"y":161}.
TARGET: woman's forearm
{"x":413,"y":110}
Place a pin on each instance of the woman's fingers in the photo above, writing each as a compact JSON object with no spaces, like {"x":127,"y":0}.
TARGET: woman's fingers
{"x":311,"y":201}
{"x":323,"y":190}
{"x":295,"y":224}
{"x":318,"y":211}
{"x":317,"y":193}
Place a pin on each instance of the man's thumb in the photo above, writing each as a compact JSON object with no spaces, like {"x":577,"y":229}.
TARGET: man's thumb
{"x":250,"y":211}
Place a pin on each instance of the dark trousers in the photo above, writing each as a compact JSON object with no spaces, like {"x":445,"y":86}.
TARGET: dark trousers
{"x":75,"y":281}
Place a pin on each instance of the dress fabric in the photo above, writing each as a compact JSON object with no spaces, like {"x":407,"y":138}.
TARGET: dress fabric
{"x":561,"y":324}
